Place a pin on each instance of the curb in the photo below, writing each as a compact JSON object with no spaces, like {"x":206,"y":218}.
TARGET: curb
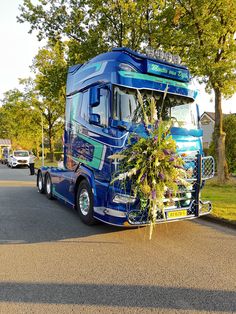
{"x":220,"y":221}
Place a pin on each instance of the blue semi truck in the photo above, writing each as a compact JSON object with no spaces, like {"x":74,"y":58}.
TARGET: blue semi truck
{"x":101,"y":99}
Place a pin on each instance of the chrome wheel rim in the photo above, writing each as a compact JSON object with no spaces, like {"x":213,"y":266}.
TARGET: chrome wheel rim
{"x":48,"y":186}
{"x":84,"y":202}
{"x":40,"y":183}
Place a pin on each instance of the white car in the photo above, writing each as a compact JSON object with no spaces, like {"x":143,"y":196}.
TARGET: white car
{"x":18,"y":158}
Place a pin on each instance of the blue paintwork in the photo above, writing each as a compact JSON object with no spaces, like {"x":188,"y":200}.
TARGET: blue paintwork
{"x":87,"y":146}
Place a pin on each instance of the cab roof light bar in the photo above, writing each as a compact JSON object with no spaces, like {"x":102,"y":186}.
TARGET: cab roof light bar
{"x":155,"y":55}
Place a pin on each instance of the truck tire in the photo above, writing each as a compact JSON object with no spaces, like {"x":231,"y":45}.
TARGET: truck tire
{"x":84,"y":203}
{"x":40,"y":184}
{"x":48,"y":186}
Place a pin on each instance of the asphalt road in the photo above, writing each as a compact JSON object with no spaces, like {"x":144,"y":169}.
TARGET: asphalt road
{"x":50,"y":262}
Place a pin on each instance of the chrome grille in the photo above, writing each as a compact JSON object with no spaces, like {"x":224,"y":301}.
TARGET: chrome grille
{"x":208,"y":167}
{"x":191,"y":164}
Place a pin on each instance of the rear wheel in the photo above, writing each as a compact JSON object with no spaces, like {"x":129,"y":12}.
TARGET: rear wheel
{"x":84,"y":203}
{"x":48,"y":185}
{"x":40,"y":184}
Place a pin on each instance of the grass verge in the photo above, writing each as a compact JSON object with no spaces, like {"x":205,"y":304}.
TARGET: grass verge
{"x":223,"y":198}
{"x":38,"y":163}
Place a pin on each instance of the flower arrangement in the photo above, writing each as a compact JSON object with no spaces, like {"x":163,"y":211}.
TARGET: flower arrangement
{"x":151,"y":164}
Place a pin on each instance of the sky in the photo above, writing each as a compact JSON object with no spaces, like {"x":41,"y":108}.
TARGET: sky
{"x":18,"y":49}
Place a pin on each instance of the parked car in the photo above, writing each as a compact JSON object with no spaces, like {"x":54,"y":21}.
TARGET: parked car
{"x":18,"y":158}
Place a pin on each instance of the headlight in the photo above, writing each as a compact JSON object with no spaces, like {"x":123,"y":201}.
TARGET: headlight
{"x":124,"y":199}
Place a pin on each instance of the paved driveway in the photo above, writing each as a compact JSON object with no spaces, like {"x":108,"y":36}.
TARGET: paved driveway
{"x":50,"y":262}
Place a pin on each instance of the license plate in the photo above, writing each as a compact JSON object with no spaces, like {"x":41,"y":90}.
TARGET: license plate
{"x":176,"y":214}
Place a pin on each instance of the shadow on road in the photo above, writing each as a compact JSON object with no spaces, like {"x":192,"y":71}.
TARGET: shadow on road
{"x":223,"y":228}
{"x":16,"y":174}
{"x":120,"y":295}
{"x":29,"y":217}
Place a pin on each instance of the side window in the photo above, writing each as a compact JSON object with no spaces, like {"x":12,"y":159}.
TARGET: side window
{"x":102,"y":108}
{"x":75,"y":107}
{"x":84,"y":112}
{"x":68,"y":109}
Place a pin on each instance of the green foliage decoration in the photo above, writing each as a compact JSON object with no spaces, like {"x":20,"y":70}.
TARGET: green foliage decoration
{"x":152,"y":164}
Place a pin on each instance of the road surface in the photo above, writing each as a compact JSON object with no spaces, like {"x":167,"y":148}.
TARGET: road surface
{"x":50,"y":262}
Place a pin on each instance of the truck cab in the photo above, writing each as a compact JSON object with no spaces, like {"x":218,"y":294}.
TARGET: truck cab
{"x":100,"y":117}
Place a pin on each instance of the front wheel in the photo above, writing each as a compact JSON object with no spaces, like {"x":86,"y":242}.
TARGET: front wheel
{"x":84,"y":203}
{"x":48,"y":184}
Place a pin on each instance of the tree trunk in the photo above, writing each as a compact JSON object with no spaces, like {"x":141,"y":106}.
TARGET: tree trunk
{"x":222,"y":169}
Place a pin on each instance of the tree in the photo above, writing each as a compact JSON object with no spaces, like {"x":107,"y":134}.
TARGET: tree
{"x":229,"y":126}
{"x":48,"y":93}
{"x":123,"y":22}
{"x":203,"y":33}
{"x":92,"y":26}
{"x":19,"y":122}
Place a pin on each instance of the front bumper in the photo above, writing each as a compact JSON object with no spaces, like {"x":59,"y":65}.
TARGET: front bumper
{"x":187,"y":204}
{"x":20,"y":163}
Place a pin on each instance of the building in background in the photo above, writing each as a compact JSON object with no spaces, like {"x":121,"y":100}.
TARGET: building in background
{"x":5,"y":143}
{"x":207,"y":123}
{"x":5,"y":146}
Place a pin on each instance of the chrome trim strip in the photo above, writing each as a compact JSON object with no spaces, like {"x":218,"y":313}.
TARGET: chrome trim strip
{"x":109,"y":211}
{"x":103,"y":157}
{"x":99,"y":210}
{"x":180,"y":208}
{"x":176,"y":199}
{"x":131,"y":198}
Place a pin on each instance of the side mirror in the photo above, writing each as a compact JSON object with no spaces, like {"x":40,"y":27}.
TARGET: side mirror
{"x":95,"y":119}
{"x":94,"y":96}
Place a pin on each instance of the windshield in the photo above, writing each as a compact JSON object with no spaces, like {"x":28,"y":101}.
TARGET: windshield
{"x":21,"y":154}
{"x":181,"y":110}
